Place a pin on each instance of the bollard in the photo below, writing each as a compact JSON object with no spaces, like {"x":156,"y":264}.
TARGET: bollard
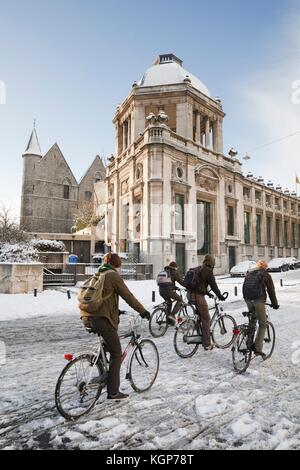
{"x":153,"y":296}
{"x":69,"y":294}
{"x":281,"y":283}
{"x":35,"y":292}
{"x":235,"y":291}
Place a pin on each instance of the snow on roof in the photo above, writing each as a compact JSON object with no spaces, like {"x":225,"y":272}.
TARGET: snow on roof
{"x":33,"y":147}
{"x":168,"y":70}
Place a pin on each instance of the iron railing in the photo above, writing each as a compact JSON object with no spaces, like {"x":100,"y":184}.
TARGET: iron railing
{"x":65,"y":274}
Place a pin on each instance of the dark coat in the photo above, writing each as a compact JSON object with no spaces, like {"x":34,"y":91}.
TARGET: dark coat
{"x":114,"y":287}
{"x":204,"y":277}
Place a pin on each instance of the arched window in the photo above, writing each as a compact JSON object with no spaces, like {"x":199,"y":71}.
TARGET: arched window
{"x":97,"y":177}
{"x":88,"y":195}
{"x":66,"y":188}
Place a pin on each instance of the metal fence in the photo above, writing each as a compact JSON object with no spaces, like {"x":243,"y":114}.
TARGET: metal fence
{"x":65,"y":274}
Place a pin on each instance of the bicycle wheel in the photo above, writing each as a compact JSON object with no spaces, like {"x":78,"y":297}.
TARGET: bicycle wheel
{"x":187,"y":332}
{"x":143,"y":366}
{"x":79,"y":387}
{"x":269,"y":341}
{"x":158,"y":324}
{"x":222,"y":331}
{"x":241,"y":355}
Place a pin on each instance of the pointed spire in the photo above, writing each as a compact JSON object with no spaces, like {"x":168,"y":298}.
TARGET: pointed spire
{"x":33,"y":147}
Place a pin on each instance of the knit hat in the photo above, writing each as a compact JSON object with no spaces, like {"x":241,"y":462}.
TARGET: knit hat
{"x":209,"y":261}
{"x":173,"y":265}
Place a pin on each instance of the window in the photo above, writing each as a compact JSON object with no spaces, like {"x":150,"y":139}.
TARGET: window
{"x":88,"y":195}
{"x":204,"y":228}
{"x":286,"y":233}
{"x":97,"y":177}
{"x":179,"y":212}
{"x":66,"y":191}
{"x":269,"y":231}
{"x":258,"y":197}
{"x":278,"y":229}
{"x":247,"y":225}
{"x":247,"y":193}
{"x":230,"y":221}
{"x":258,"y":229}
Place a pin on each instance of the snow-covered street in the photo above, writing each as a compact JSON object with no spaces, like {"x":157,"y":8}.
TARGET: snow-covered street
{"x":198,"y":403}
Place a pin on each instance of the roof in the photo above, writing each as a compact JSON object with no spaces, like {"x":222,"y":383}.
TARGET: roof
{"x":33,"y":147}
{"x":167,"y":70}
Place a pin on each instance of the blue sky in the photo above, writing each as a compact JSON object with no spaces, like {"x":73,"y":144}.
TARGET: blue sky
{"x":68,"y":63}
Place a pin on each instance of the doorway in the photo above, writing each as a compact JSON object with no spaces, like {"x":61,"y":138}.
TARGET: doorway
{"x":232,"y":256}
{"x":180,"y":257}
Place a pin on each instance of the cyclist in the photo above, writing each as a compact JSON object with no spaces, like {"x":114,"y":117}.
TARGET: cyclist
{"x":203,"y":277}
{"x":258,"y":282}
{"x":105,"y":321}
{"x":167,"y":290}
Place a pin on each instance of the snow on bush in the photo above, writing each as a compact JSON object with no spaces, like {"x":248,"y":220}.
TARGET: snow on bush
{"x":18,"y":253}
{"x":48,"y":246}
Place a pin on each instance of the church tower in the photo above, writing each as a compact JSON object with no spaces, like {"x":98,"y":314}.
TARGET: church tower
{"x":31,"y":158}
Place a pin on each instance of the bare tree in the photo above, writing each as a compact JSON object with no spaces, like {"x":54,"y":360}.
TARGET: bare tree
{"x":10,"y":231}
{"x":86,"y":216}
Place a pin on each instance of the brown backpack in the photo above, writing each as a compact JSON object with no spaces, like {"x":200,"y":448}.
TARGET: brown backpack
{"x":90,"y":296}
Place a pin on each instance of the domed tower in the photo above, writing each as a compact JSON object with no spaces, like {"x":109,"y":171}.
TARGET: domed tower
{"x":31,"y":158}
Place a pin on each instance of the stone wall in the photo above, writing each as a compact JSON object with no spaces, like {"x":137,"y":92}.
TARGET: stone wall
{"x":20,"y":278}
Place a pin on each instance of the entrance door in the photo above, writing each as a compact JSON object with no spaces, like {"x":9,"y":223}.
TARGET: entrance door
{"x":180,"y":257}
{"x":137,"y":252}
{"x":232,"y":256}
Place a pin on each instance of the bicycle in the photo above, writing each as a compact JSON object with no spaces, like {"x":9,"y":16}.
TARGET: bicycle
{"x":243,"y":343}
{"x":158,"y":323}
{"x":188,"y":334}
{"x":82,"y":380}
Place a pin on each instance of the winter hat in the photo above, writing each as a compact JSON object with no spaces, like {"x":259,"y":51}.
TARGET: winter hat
{"x":262,"y":264}
{"x":173,"y":265}
{"x":209,"y":261}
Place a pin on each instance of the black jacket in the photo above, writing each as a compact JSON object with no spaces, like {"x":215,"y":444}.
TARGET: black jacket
{"x":205,"y":278}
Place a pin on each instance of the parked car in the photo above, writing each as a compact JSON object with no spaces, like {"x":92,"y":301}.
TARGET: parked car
{"x":98,"y":258}
{"x":293,"y":262}
{"x":241,"y":269}
{"x":277,"y":265}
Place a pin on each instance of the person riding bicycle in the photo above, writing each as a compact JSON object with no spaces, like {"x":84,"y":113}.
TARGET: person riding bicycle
{"x":167,"y":289}
{"x":105,"y":321}
{"x":202,"y":278}
{"x":258,"y":282}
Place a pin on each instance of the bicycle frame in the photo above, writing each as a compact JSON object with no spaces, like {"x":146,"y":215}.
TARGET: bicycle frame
{"x":100,"y":353}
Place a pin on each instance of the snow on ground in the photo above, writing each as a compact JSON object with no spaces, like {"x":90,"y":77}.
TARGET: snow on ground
{"x":198,"y":403}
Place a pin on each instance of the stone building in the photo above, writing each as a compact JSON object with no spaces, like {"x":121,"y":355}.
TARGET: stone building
{"x":51,"y":194}
{"x":171,"y":191}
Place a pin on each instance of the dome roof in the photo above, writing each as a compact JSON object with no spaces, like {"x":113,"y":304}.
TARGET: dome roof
{"x":168,"y":70}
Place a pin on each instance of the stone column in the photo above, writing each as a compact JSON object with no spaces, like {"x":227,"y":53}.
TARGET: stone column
{"x":124,"y":136}
{"x":184,"y":119}
{"x":215,"y":136}
{"x":129,"y":130}
{"x":198,"y":128}
{"x":207,"y":132}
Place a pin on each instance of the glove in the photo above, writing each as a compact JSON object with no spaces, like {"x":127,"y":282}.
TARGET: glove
{"x":211,"y":296}
{"x":122,"y":312}
{"x":276,"y":307}
{"x":146,"y":315}
{"x":222,"y":298}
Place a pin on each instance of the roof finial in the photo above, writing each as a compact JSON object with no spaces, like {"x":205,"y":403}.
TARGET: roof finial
{"x":34,"y":123}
